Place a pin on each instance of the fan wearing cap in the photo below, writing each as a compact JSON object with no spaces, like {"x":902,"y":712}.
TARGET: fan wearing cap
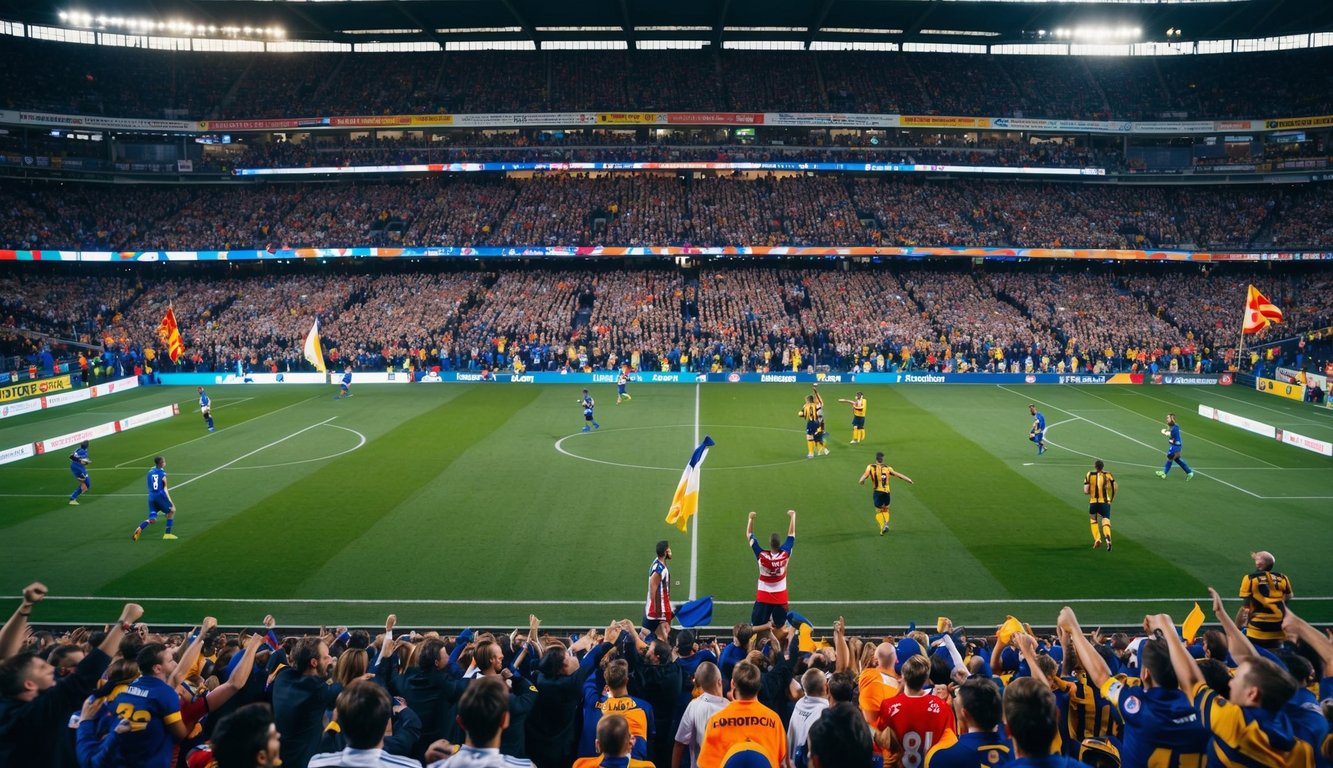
{"x":1266,"y":593}
{"x":1161,"y":726}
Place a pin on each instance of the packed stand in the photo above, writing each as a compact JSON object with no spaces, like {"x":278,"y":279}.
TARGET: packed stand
{"x":785,"y":692}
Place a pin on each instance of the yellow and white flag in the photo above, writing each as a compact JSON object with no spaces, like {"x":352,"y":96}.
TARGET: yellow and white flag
{"x":686,"y":501}
{"x":314,"y":353}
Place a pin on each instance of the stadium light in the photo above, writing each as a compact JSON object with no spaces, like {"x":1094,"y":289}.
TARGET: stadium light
{"x":175,"y":26}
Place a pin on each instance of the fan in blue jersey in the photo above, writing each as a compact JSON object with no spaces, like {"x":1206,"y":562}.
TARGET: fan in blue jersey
{"x":345,"y":388}
{"x":153,"y":709}
{"x":159,"y":500}
{"x":1038,"y":432}
{"x":206,"y":408}
{"x":78,"y":466}
{"x":589,"y":422}
{"x":1172,"y":432}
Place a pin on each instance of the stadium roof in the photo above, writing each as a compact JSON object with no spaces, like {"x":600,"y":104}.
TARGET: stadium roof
{"x":804,"y":21}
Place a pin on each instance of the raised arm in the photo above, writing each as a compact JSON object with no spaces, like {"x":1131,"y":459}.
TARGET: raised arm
{"x":11,"y":635}
{"x":791,"y":527}
{"x":1092,"y":662}
{"x":191,"y":654}
{"x":842,"y":654}
{"x":1027,"y":648}
{"x":1187,"y":671}
{"x":240,"y":674}
{"x":1238,"y":644}
{"x":749,"y":525}
{"x":1317,"y":640}
{"x":900,"y":475}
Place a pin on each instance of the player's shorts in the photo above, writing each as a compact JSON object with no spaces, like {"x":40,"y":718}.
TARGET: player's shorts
{"x":82,"y":476}
{"x":620,"y":389}
{"x":1037,"y":437}
{"x":763,"y":612}
{"x":1099,"y":509}
{"x":156,"y":505}
{"x":344,"y":387}
{"x":881,"y":499}
{"x":1172,"y":454}
{"x":652,"y":624}
{"x":587,"y":415}
{"x":819,"y":436}
{"x":811,"y":427}
{"x":858,"y":422}
{"x":204,"y":409}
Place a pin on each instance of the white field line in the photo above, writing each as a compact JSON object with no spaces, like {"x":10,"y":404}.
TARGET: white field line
{"x":423,"y":601}
{"x":207,"y":434}
{"x":252,"y":453}
{"x":1131,"y":439}
{"x":1192,"y":437}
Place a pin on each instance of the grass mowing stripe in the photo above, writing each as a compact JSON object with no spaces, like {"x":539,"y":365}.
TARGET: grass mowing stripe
{"x":1162,"y":420}
{"x":283,"y":562}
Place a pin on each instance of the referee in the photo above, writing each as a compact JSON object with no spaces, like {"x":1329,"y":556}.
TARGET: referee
{"x":1100,"y":487}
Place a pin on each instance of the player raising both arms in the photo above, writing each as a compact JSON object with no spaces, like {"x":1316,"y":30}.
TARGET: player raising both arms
{"x":858,"y":405}
{"x":821,"y":448}
{"x":881,"y":473}
{"x":810,"y":412}
{"x":1172,"y":432}
{"x":345,"y":388}
{"x":1038,"y":432}
{"x":206,"y":408}
{"x":78,"y":466}
{"x":159,"y":500}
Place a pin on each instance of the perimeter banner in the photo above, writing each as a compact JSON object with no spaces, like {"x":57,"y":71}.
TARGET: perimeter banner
{"x":34,"y":388}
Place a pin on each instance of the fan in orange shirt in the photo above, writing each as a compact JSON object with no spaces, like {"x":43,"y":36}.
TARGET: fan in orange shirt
{"x":744,"y":720}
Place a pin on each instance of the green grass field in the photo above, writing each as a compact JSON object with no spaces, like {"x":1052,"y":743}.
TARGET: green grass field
{"x":457,"y":505}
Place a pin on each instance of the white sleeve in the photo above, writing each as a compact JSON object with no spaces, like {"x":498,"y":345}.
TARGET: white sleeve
{"x":955,"y":658}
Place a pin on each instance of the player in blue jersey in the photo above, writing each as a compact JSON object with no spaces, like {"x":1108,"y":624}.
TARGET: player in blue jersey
{"x":345,"y":387}
{"x":1038,"y":431}
{"x":206,"y":408}
{"x":78,"y":466}
{"x":621,"y":382}
{"x":1172,"y":432}
{"x":589,"y":422}
{"x":159,"y":500}
{"x":153,"y":710}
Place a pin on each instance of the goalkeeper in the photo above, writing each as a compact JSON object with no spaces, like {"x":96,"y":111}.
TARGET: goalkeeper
{"x":78,"y":466}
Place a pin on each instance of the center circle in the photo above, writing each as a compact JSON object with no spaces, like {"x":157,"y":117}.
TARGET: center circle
{"x":559,"y":446}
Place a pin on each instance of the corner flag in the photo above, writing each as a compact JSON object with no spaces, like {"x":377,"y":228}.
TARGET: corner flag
{"x":170,"y":334}
{"x":686,"y":501}
{"x":314,"y":353}
{"x":1259,"y":312}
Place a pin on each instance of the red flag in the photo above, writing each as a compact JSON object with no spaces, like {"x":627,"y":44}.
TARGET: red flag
{"x":170,"y":334}
{"x":1259,"y":312}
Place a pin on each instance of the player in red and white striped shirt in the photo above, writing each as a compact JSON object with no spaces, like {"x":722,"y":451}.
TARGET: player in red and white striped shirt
{"x":770,"y":599}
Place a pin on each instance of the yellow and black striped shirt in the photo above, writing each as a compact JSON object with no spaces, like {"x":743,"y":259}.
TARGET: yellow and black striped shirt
{"x":1101,"y":487}
{"x":880,"y":474}
{"x":1266,"y":593}
{"x":810,"y":412}
{"x":859,"y":407}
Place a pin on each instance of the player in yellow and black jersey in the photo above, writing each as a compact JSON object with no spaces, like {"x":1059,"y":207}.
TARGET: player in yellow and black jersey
{"x":879,"y":474}
{"x":821,"y":433}
{"x":810,"y":412}
{"x":1100,"y":487}
{"x":1266,"y":593}
{"x":858,"y":405}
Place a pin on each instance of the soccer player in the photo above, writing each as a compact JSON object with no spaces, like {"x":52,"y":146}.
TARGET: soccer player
{"x":159,"y":500}
{"x":206,"y":408}
{"x":1266,"y":593}
{"x":658,"y":607}
{"x":770,"y":598}
{"x":153,"y":709}
{"x":1038,"y":432}
{"x":1100,"y":487}
{"x":78,"y":466}
{"x":345,"y":388}
{"x":810,"y":412}
{"x":586,"y":402}
{"x":820,"y":432}
{"x":1172,"y":431}
{"x":621,"y":382}
{"x":858,"y":405}
{"x":881,"y":474}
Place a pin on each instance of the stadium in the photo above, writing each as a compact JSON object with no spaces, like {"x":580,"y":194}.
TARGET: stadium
{"x":500,"y":318}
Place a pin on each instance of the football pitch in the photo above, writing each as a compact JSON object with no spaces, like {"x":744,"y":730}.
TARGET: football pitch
{"x":477,"y":504}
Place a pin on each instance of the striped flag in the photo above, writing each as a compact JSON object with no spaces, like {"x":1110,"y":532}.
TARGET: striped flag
{"x":1259,"y":312}
{"x":314,"y":353}
{"x":686,"y":501}
{"x":170,"y":334}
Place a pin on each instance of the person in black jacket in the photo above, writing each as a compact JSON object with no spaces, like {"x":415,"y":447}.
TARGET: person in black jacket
{"x":301,"y":695}
{"x":34,"y":708}
{"x":655,"y":679}
{"x":553,"y":726}
{"x":431,"y":688}
{"x":489,"y":658}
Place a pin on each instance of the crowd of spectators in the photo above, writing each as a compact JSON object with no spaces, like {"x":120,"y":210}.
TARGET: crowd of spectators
{"x":782,"y":693}
{"x":127,"y":82}
{"x":559,"y":209}
{"x":714,"y":318}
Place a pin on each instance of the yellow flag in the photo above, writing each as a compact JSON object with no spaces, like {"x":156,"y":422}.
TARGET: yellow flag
{"x":1193,"y":622}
